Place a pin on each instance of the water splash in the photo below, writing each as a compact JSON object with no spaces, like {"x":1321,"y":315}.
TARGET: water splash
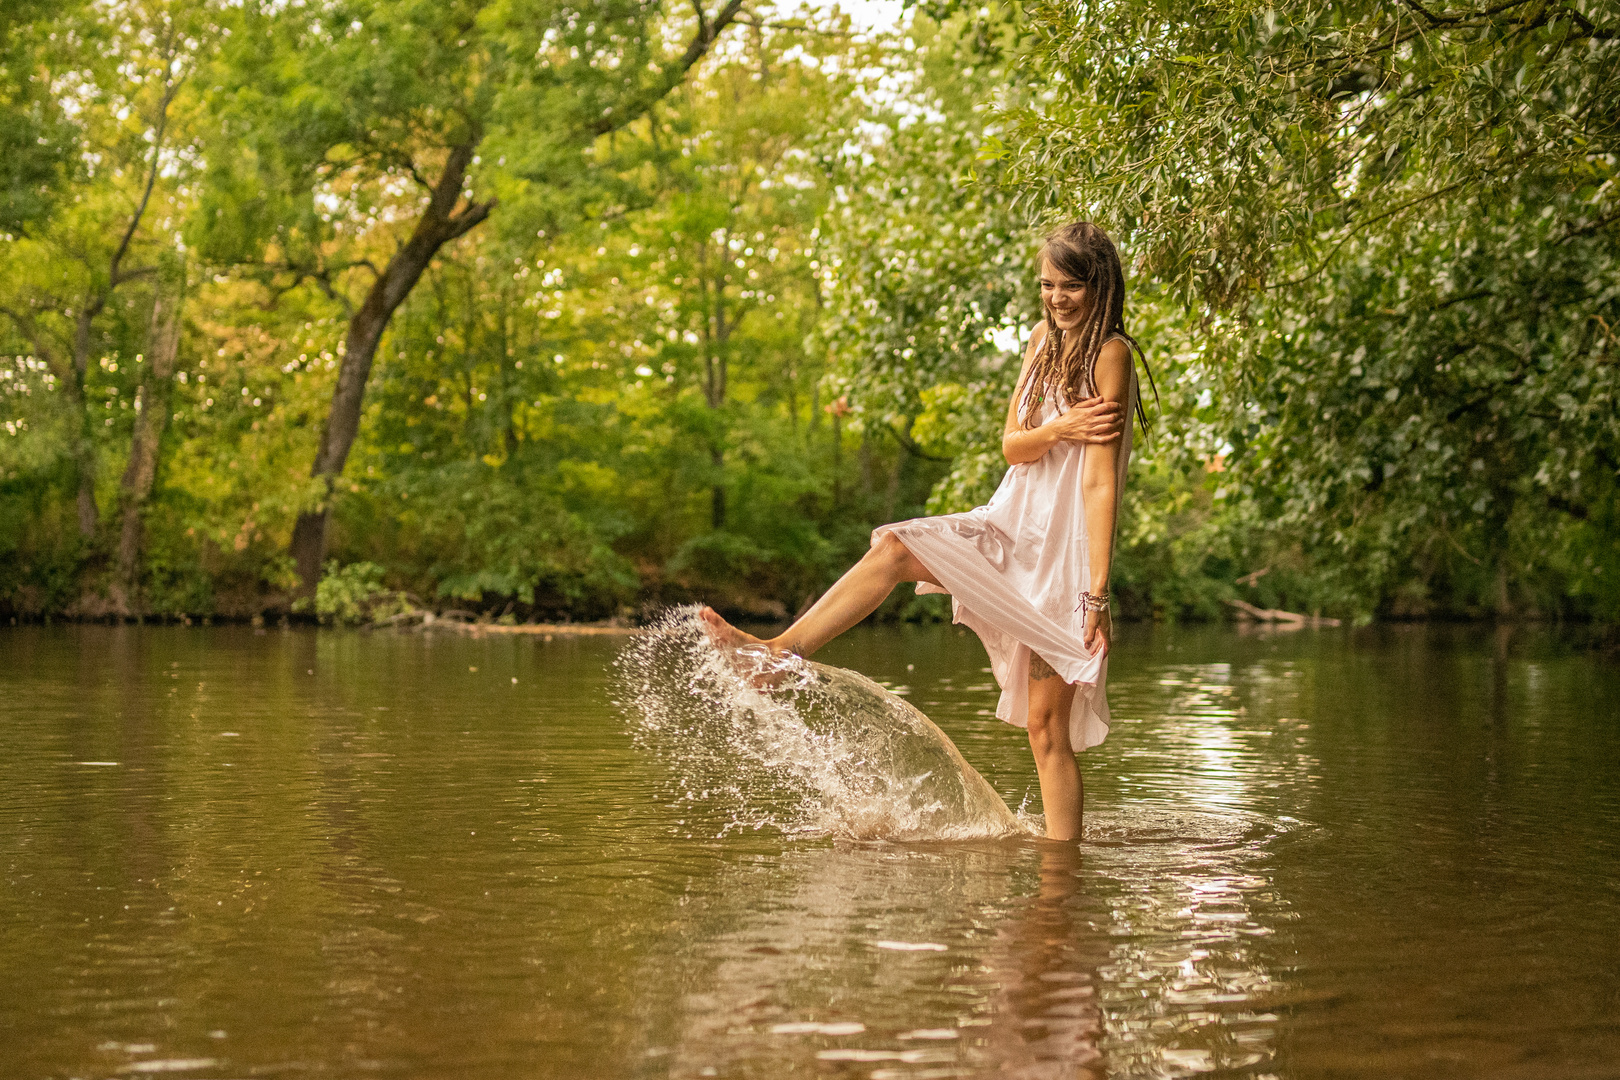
{"x":798,"y":746}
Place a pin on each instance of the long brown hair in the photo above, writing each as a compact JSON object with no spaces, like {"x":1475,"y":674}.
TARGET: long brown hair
{"x":1083,"y":252}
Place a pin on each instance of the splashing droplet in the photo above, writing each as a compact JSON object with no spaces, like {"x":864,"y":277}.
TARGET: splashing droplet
{"x":785,"y":743}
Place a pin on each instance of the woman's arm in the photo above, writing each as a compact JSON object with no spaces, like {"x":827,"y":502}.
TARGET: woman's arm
{"x":1099,"y":485}
{"x":1017,"y":444}
{"x":1094,"y":420}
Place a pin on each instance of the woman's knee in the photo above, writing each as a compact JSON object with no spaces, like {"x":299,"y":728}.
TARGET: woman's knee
{"x":1048,"y":732}
{"x":890,"y":553}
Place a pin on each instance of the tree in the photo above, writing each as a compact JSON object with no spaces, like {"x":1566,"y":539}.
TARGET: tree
{"x":1240,"y":148}
{"x":728,"y":238}
{"x":611,"y":391}
{"x":927,"y":261}
{"x":36,"y":139}
{"x":151,"y":418}
{"x":1410,"y":213}
{"x":360,"y":103}
{"x":63,"y":278}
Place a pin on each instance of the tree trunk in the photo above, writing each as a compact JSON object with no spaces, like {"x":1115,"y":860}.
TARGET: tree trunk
{"x":85,"y":451}
{"x":716,"y":333}
{"x":717,"y":494}
{"x":151,"y":417}
{"x":440,"y":223}
{"x":84,"y":445}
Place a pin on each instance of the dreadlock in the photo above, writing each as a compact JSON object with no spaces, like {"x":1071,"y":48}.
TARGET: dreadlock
{"x":1083,"y":252}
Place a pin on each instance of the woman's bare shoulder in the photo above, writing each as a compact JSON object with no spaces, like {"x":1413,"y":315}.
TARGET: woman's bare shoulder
{"x":1116,"y":350}
{"x":1037,"y":334}
{"x":1112,"y":374}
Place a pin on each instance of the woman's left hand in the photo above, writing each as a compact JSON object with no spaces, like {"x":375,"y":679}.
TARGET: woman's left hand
{"x":1099,"y":631}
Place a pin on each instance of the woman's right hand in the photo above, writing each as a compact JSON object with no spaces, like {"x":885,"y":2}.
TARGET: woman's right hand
{"x":1092,"y":420}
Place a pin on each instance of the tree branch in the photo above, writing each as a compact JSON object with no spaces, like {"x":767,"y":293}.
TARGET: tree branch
{"x":1358,"y":226}
{"x":1423,"y":11}
{"x":616,"y":118}
{"x":911,"y":446}
{"x":323,"y":280}
{"x":130,"y":275}
{"x":170,"y":89}
{"x":410,"y":167}
{"x":1587,"y":230}
{"x":468,"y":217}
{"x":798,"y":28}
{"x":30,"y":330}
{"x":36,"y":337}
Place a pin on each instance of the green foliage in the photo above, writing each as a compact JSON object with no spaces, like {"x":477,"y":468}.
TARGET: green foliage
{"x":1238,"y":146}
{"x":39,"y":550}
{"x":352,"y":594}
{"x":1398,"y":225}
{"x":36,"y":139}
{"x":927,"y":265}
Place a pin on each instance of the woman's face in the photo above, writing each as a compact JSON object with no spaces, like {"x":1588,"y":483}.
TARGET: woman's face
{"x":1067,"y":299}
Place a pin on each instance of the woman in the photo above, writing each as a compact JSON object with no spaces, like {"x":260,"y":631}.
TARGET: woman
{"x":1028,"y":571}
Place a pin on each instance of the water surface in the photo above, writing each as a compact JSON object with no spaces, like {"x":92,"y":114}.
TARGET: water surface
{"x":1379,"y":853}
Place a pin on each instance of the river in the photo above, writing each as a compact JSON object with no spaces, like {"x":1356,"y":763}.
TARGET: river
{"x":1386,"y":852}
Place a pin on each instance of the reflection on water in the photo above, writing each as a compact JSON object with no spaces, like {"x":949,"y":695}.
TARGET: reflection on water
{"x":1045,"y":1017}
{"x":1321,"y":854}
{"x":989,"y":947}
{"x":1030,"y":959}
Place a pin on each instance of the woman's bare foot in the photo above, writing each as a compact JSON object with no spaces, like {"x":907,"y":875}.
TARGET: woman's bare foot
{"x":723,"y":634}
{"x":763,"y":663}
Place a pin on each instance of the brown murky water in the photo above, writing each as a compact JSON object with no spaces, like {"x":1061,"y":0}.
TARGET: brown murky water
{"x":1385,"y":853}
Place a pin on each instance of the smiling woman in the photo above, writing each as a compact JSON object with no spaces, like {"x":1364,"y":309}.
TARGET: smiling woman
{"x":1028,"y":571}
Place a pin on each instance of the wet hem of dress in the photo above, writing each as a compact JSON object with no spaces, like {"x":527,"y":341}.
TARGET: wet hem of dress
{"x":898,"y":530}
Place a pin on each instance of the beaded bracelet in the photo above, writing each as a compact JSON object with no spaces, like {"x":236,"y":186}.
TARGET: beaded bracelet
{"x":1092,"y":602}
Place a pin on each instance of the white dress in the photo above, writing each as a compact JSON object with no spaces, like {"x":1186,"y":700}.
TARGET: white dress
{"x":1015,"y":568}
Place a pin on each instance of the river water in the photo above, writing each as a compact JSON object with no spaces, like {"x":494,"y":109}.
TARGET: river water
{"x":1390,"y":852}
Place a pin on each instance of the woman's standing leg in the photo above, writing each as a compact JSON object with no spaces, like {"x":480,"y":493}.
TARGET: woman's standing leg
{"x":852,"y":598}
{"x":1063,"y":795}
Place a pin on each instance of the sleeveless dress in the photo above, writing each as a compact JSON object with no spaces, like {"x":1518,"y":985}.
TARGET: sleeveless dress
{"x":1015,"y":568}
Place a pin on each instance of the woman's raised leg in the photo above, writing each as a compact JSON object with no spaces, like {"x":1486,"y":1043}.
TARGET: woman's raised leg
{"x":1063,"y":794}
{"x":852,"y":598}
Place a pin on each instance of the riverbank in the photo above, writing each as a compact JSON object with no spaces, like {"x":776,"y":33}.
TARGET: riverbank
{"x":450,"y":622}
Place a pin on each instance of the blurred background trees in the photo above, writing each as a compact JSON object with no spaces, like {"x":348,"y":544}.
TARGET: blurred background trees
{"x":557,"y":309}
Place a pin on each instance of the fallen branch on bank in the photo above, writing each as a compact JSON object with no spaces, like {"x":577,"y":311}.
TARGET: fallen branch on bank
{"x":1276,"y":615}
{"x":395,"y":620}
{"x":544,"y":629}
{"x":469,"y":622}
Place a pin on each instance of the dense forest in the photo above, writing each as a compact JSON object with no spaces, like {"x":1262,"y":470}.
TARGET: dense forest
{"x":561,"y":309}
